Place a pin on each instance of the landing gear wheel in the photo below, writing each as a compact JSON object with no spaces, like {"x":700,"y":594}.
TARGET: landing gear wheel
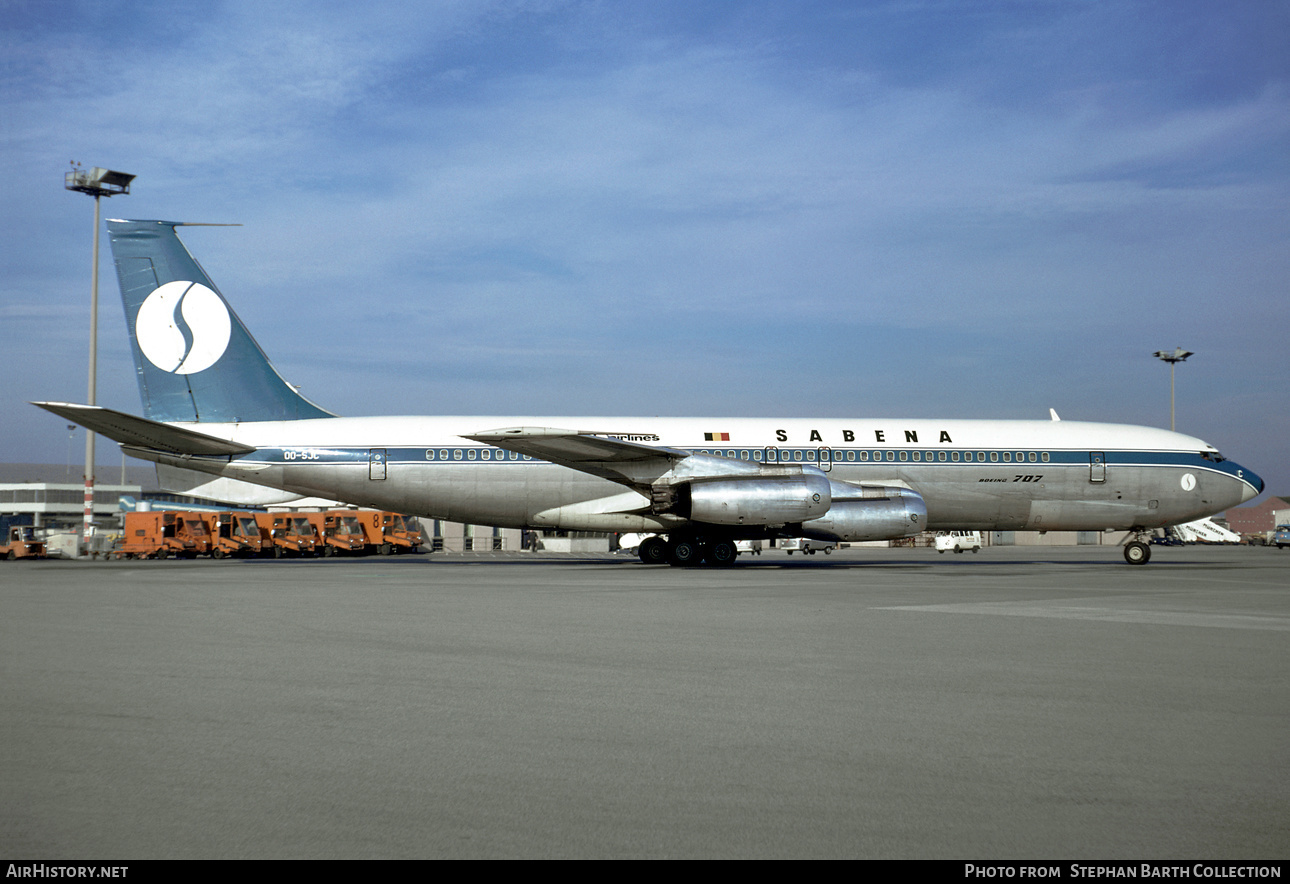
{"x":721,"y":553}
{"x":683,"y":552}
{"x":653,"y":551}
{"x":1137,"y":553}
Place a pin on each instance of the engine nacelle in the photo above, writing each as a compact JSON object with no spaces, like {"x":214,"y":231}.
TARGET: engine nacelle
{"x":901,"y":513}
{"x":769,"y":500}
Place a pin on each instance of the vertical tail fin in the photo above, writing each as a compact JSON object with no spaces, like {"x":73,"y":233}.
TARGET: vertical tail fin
{"x":194,"y":358}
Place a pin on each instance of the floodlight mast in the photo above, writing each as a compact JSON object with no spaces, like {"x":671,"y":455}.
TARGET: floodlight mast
{"x":1173,"y":357}
{"x":97,"y":183}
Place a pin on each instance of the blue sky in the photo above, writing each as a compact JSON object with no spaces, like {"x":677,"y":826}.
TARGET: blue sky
{"x":905,"y":209}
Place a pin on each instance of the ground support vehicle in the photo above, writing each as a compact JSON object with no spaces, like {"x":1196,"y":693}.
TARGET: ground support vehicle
{"x":235,"y":534}
{"x":22,"y":544}
{"x":338,"y":532}
{"x":806,"y":546}
{"x":958,"y":541}
{"x":1281,"y":537}
{"x":288,"y":534}
{"x":389,"y":532}
{"x":158,"y":534}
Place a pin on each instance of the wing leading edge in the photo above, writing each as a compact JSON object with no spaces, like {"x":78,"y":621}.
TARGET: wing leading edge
{"x":606,"y":455}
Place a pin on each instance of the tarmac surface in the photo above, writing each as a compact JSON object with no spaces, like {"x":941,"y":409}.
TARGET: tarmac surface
{"x":1019,"y":703}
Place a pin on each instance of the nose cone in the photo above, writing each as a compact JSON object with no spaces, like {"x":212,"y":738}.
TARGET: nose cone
{"x":1253,"y":486}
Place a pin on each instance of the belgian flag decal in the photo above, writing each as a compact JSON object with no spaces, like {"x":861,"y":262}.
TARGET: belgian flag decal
{"x":716,"y":437}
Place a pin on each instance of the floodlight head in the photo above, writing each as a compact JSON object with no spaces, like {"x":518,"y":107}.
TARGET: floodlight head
{"x":1178,"y":354}
{"x":97,"y":181}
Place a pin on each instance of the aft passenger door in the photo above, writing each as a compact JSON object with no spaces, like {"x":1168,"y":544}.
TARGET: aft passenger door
{"x":376,"y":464}
{"x":1096,"y":466}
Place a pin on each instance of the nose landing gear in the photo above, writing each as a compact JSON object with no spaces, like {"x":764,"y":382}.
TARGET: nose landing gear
{"x":1137,"y":551}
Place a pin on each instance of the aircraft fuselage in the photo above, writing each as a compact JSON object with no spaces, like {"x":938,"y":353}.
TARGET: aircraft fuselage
{"x":985,"y":475}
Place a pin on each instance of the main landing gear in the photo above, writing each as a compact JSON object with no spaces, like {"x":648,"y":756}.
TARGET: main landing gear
{"x":688,"y":550}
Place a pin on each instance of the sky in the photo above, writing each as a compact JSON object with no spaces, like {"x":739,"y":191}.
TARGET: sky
{"x":833,"y":209}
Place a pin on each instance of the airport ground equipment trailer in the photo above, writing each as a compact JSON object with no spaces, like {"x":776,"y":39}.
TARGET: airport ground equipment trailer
{"x":339,"y":532}
{"x":158,"y":534}
{"x":22,"y":544}
{"x":236,"y":534}
{"x":288,"y":534}
{"x":389,"y":532}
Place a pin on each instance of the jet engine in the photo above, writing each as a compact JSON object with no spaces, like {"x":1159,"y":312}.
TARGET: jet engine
{"x":760,"y":500}
{"x":872,"y":513}
{"x":807,"y":503}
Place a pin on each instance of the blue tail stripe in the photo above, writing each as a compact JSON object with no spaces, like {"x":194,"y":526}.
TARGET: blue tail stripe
{"x":194,"y":358}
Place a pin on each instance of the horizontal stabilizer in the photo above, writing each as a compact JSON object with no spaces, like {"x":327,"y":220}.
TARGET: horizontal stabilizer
{"x":143,"y":433}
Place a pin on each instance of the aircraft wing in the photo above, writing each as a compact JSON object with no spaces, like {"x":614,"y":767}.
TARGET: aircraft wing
{"x":140,"y":432}
{"x":607,"y":455}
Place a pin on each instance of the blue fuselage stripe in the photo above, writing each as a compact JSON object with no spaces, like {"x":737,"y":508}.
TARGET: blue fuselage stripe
{"x":884,"y":458}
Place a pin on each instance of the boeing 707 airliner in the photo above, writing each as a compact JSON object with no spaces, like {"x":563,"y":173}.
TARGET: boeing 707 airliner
{"x":213,"y":403}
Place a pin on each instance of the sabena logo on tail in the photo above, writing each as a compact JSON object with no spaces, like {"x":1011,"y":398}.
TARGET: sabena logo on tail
{"x":183,"y":327}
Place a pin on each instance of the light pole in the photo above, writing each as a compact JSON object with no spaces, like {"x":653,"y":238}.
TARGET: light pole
{"x":97,"y":183}
{"x":1173,"y":357}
